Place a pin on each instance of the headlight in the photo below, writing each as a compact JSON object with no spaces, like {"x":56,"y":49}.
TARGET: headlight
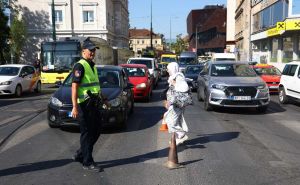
{"x":115,"y":102}
{"x":218,"y":86}
{"x":56,"y":102}
{"x":6,"y":83}
{"x":141,"y":86}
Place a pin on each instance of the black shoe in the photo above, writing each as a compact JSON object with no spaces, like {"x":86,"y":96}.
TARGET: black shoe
{"x":77,"y":159}
{"x":93,"y":168}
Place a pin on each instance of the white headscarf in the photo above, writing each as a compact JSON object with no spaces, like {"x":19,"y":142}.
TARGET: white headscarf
{"x":173,"y":69}
{"x":180,"y":84}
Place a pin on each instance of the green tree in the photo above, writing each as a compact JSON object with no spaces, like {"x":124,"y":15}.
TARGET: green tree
{"x":179,"y":45}
{"x":4,"y":34}
{"x":18,"y":33}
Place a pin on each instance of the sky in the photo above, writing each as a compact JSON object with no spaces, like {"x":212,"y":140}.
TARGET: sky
{"x":162,"y":12}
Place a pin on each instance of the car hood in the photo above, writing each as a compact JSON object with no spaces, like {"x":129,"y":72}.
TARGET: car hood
{"x":138,"y":80}
{"x":6,"y":78}
{"x":237,"y":81}
{"x":191,"y":76}
{"x":64,"y":94}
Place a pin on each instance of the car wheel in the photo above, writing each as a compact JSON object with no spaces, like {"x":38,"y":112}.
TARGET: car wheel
{"x":18,"y":91}
{"x":52,"y":125}
{"x":283,"y":99}
{"x":198,"y":95}
{"x":207,"y":106}
{"x":262,"y":109}
{"x":38,"y":88}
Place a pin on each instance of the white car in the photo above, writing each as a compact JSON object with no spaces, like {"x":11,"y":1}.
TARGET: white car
{"x":18,"y":78}
{"x":289,"y":86}
{"x":151,"y":64}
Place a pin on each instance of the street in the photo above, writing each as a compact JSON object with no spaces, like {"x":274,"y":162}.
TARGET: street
{"x":225,"y":147}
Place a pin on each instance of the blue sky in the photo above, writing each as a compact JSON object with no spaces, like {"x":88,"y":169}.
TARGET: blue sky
{"x":162,"y":11}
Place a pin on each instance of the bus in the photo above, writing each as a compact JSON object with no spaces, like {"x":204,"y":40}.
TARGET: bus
{"x":58,"y":58}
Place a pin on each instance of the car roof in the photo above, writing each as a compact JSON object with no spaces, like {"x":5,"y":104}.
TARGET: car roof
{"x":119,"y":68}
{"x":228,"y":62}
{"x":134,"y":65}
{"x":141,"y":58}
{"x":263,"y":66}
{"x":15,"y":65}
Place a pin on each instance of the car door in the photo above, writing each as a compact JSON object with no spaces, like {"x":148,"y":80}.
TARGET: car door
{"x":296,"y":80}
{"x":25,"y":78}
{"x":289,"y":76}
{"x":32,"y":76}
{"x":203,"y":79}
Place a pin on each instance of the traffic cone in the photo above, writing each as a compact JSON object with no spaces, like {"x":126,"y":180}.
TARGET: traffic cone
{"x":172,"y":162}
{"x":164,"y":126}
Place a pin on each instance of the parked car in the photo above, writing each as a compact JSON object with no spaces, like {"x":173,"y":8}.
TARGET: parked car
{"x":232,"y":84}
{"x":270,"y":74}
{"x":118,"y":92}
{"x":140,"y":77}
{"x":151,"y":64}
{"x":289,"y":86}
{"x":187,"y":58}
{"x":191,"y":74}
{"x":18,"y":78}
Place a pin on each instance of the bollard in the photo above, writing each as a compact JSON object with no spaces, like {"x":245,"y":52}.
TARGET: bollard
{"x":172,"y":162}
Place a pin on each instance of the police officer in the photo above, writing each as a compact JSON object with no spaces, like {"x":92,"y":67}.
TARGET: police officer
{"x":85,"y":78}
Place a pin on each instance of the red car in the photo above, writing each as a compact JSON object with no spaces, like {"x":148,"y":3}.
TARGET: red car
{"x":270,"y":74}
{"x":140,"y":77}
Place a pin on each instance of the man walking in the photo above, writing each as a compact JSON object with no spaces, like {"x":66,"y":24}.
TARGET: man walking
{"x":85,"y":78}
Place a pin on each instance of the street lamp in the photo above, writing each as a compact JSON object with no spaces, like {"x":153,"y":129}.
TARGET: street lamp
{"x":53,"y":21}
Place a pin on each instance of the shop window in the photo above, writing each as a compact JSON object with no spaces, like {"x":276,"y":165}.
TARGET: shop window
{"x":287,"y":50}
{"x":264,"y":46}
{"x":274,"y":50}
{"x":299,"y":48}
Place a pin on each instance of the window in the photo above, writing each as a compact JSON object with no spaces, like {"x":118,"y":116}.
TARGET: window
{"x":289,"y":70}
{"x":296,"y":7}
{"x":143,"y":42}
{"x":287,"y":49}
{"x":298,"y":48}
{"x":88,"y":16}
{"x":58,"y":16}
{"x":277,"y":12}
{"x":266,"y":17}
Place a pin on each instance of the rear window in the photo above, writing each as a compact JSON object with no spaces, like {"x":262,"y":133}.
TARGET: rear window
{"x":267,"y":71}
{"x":135,"y":72}
{"x":194,"y":69}
{"x":148,"y":63}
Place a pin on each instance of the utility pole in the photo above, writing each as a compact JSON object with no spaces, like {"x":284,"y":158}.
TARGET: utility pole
{"x":72,"y":18}
{"x":151,"y":45}
{"x":53,"y":21}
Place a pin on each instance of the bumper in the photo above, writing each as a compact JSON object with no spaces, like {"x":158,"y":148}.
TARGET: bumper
{"x":273,"y":88}
{"x":61,"y":116}
{"x":141,"y":93}
{"x":7,"y":89}
{"x":219,"y":98}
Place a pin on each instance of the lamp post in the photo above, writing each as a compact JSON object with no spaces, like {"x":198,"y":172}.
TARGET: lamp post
{"x":151,"y":44}
{"x":53,"y":21}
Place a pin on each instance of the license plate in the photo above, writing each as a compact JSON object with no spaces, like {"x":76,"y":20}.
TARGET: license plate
{"x":273,"y":87}
{"x":242,"y":98}
{"x":69,"y":114}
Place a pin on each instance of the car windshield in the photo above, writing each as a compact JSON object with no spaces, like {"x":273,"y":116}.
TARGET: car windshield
{"x":108,"y":78}
{"x":148,"y":63}
{"x":135,"y":72}
{"x":168,"y":59}
{"x":9,"y":71}
{"x":267,"y":71}
{"x":194,"y":69}
{"x":229,"y":70}
{"x":187,"y":61}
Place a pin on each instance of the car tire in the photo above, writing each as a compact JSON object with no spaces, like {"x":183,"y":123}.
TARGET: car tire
{"x":38,"y":88}
{"x":18,"y":91}
{"x":52,"y":125}
{"x":198,"y":95}
{"x":283,"y":99}
{"x":207,"y":106}
{"x":262,"y":109}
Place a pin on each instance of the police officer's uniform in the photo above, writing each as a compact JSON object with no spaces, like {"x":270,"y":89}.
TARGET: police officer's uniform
{"x":85,"y":74}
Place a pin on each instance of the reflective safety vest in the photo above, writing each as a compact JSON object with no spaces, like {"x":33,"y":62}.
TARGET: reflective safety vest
{"x":90,"y":81}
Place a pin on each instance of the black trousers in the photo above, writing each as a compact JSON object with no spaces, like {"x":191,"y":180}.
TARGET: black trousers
{"x":90,"y":127}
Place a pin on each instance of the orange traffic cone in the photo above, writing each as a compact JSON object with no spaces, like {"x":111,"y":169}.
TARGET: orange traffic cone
{"x":172,"y":162}
{"x":164,"y":126}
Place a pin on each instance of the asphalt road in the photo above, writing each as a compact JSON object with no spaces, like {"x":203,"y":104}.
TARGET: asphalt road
{"x":225,"y":147}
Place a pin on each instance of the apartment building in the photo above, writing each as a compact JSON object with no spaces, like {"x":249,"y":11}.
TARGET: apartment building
{"x":207,"y":29}
{"x":140,"y":39}
{"x":106,"y":19}
{"x":230,"y":26}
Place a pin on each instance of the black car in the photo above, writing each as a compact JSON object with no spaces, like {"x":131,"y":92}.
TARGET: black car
{"x":191,"y":74}
{"x":118,"y":91}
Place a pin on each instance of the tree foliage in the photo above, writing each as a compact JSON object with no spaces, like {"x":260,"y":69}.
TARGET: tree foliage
{"x":18,"y":33}
{"x":4,"y":34}
{"x":180,"y":44}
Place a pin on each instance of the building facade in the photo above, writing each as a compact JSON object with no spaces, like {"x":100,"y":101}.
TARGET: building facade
{"x":230,"y":26}
{"x":140,"y":39}
{"x":106,"y":19}
{"x":207,"y":29}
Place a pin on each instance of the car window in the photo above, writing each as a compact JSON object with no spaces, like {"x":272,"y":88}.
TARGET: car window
{"x":135,"y":72}
{"x":267,"y":71}
{"x":30,"y":70}
{"x":193,"y":69}
{"x":230,"y":70}
{"x":299,"y":72}
{"x":168,"y":59}
{"x":286,"y":69}
{"x":148,"y":63}
{"x":292,"y":70}
{"x":9,"y":71}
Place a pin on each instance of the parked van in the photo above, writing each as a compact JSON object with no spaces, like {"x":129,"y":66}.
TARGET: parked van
{"x":223,"y":57}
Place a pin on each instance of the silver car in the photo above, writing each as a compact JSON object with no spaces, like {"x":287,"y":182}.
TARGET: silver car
{"x":231,"y":84}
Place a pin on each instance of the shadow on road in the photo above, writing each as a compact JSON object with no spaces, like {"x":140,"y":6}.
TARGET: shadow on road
{"x":30,"y":167}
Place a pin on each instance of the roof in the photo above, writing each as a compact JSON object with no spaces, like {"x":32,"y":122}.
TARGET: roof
{"x":134,"y":65}
{"x":263,"y":66}
{"x":141,"y":33}
{"x":109,"y":67}
{"x":228,"y":62}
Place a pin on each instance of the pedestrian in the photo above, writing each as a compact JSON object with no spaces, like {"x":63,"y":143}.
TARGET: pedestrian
{"x":85,"y":78}
{"x":178,"y":89}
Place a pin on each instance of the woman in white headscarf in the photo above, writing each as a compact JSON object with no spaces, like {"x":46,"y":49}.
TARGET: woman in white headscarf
{"x":174,"y":116}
